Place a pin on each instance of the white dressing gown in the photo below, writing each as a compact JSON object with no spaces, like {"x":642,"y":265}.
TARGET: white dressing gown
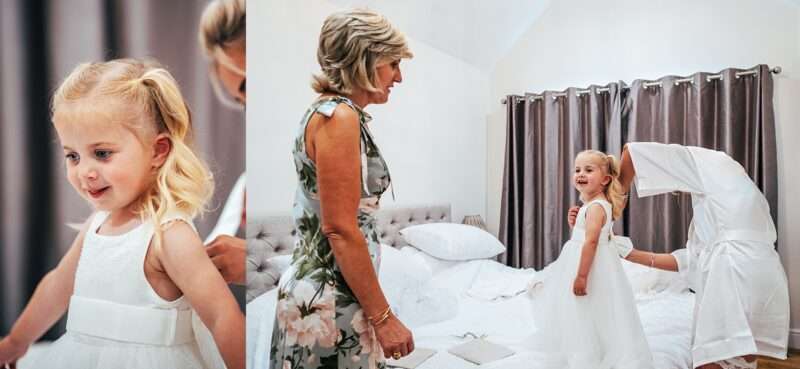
{"x":742,"y":298}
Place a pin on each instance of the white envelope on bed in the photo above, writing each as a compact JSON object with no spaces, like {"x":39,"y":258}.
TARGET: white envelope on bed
{"x":480,"y":351}
{"x":413,"y":360}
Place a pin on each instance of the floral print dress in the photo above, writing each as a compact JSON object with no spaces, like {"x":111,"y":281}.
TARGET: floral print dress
{"x":319,"y":323}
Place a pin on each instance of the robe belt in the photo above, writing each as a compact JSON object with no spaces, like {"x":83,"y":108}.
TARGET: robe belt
{"x":708,"y":253}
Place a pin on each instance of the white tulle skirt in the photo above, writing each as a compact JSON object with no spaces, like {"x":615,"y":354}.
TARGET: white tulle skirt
{"x":601,"y":330}
{"x":77,"y":351}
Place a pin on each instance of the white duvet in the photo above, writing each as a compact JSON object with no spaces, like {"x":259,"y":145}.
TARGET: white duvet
{"x":485,"y":298}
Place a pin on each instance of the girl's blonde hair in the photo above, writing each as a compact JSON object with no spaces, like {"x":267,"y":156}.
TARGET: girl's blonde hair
{"x":613,"y":190}
{"x":351,"y":44}
{"x":224,"y":22}
{"x":151,"y":104}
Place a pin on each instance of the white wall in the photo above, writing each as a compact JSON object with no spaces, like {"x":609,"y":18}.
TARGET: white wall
{"x":432,"y":131}
{"x":581,"y":42}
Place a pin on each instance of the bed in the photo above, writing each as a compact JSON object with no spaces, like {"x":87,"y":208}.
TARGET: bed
{"x":461,"y":300}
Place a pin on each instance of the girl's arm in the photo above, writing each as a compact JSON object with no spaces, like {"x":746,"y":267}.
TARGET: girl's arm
{"x":48,"y":303}
{"x":654,"y":260}
{"x":595,"y":218}
{"x":187,"y":264}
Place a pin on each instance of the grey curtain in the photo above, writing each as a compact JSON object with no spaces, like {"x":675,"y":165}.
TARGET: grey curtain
{"x":544,"y":134}
{"x":732,"y":114}
{"x":41,"y":42}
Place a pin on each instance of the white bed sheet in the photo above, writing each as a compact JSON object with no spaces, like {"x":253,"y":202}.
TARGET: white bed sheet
{"x":33,"y":353}
{"x":666,"y":319}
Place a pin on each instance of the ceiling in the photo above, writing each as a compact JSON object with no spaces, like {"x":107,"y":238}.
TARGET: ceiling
{"x":478,"y":32}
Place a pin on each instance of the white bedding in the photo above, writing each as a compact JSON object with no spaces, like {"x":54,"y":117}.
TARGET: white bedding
{"x":666,"y":318}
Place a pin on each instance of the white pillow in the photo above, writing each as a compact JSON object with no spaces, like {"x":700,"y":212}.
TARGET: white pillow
{"x":450,"y":241}
{"x":281,"y":262}
{"x":401,"y":274}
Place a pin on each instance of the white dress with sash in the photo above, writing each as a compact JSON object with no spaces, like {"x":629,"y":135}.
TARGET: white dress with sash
{"x":115,"y":318}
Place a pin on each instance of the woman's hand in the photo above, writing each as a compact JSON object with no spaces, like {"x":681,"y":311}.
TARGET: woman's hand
{"x":394,"y":338}
{"x":11,"y":351}
{"x":229,"y":256}
{"x":572,"y":215}
{"x":579,"y":286}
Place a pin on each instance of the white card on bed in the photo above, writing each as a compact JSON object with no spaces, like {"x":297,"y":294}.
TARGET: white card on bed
{"x":412,"y":360}
{"x":479,"y":351}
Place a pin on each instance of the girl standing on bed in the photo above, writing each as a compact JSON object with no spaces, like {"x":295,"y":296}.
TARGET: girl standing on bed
{"x":137,"y":270}
{"x":584,"y":306}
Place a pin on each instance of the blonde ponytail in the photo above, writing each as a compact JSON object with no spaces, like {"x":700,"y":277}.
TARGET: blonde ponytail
{"x":614,"y":189}
{"x":183,"y":182}
{"x":153,"y":101}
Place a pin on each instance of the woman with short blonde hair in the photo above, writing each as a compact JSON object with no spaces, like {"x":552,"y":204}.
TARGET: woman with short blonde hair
{"x":222,"y":36}
{"x":350,"y":46}
{"x":331,"y":310}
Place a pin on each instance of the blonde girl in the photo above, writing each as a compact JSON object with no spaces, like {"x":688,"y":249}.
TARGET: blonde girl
{"x":137,"y":270}
{"x":584,"y":305}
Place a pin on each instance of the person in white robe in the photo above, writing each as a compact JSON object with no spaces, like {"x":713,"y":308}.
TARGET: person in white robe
{"x":222,"y":36}
{"x":730,"y":262}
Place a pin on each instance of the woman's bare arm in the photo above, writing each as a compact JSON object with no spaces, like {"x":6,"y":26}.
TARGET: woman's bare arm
{"x":627,"y":171}
{"x":335,"y":147}
{"x":655,"y":260}
{"x":336,"y":150}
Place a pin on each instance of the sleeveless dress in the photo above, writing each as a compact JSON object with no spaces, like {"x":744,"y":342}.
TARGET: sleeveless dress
{"x":115,"y":318}
{"x":319,"y":323}
{"x":600,"y":330}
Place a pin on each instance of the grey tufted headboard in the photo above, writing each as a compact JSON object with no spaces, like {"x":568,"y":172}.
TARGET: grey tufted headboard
{"x":392,"y":220}
{"x":266,"y":237}
{"x":274,"y":235}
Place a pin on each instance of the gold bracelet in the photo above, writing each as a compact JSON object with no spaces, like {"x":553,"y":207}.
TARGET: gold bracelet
{"x":382,"y":320}
{"x":382,"y":317}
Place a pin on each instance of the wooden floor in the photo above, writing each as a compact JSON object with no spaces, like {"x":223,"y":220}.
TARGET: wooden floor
{"x":793,"y":362}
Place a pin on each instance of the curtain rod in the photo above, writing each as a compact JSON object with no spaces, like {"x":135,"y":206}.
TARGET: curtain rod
{"x":709,"y":78}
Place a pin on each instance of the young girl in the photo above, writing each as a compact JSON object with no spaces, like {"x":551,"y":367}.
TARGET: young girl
{"x":137,"y":270}
{"x":584,"y":305}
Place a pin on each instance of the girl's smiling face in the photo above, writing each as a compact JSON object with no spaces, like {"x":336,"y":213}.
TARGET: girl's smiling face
{"x":590,"y":177}
{"x":106,"y":162}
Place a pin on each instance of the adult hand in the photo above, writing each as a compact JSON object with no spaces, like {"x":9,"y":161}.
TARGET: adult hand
{"x":572,"y":215}
{"x":228,"y":254}
{"x":579,"y":286}
{"x":10,"y":352}
{"x":394,"y":337}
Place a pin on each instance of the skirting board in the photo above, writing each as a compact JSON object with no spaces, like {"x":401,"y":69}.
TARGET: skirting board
{"x":794,"y":338}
